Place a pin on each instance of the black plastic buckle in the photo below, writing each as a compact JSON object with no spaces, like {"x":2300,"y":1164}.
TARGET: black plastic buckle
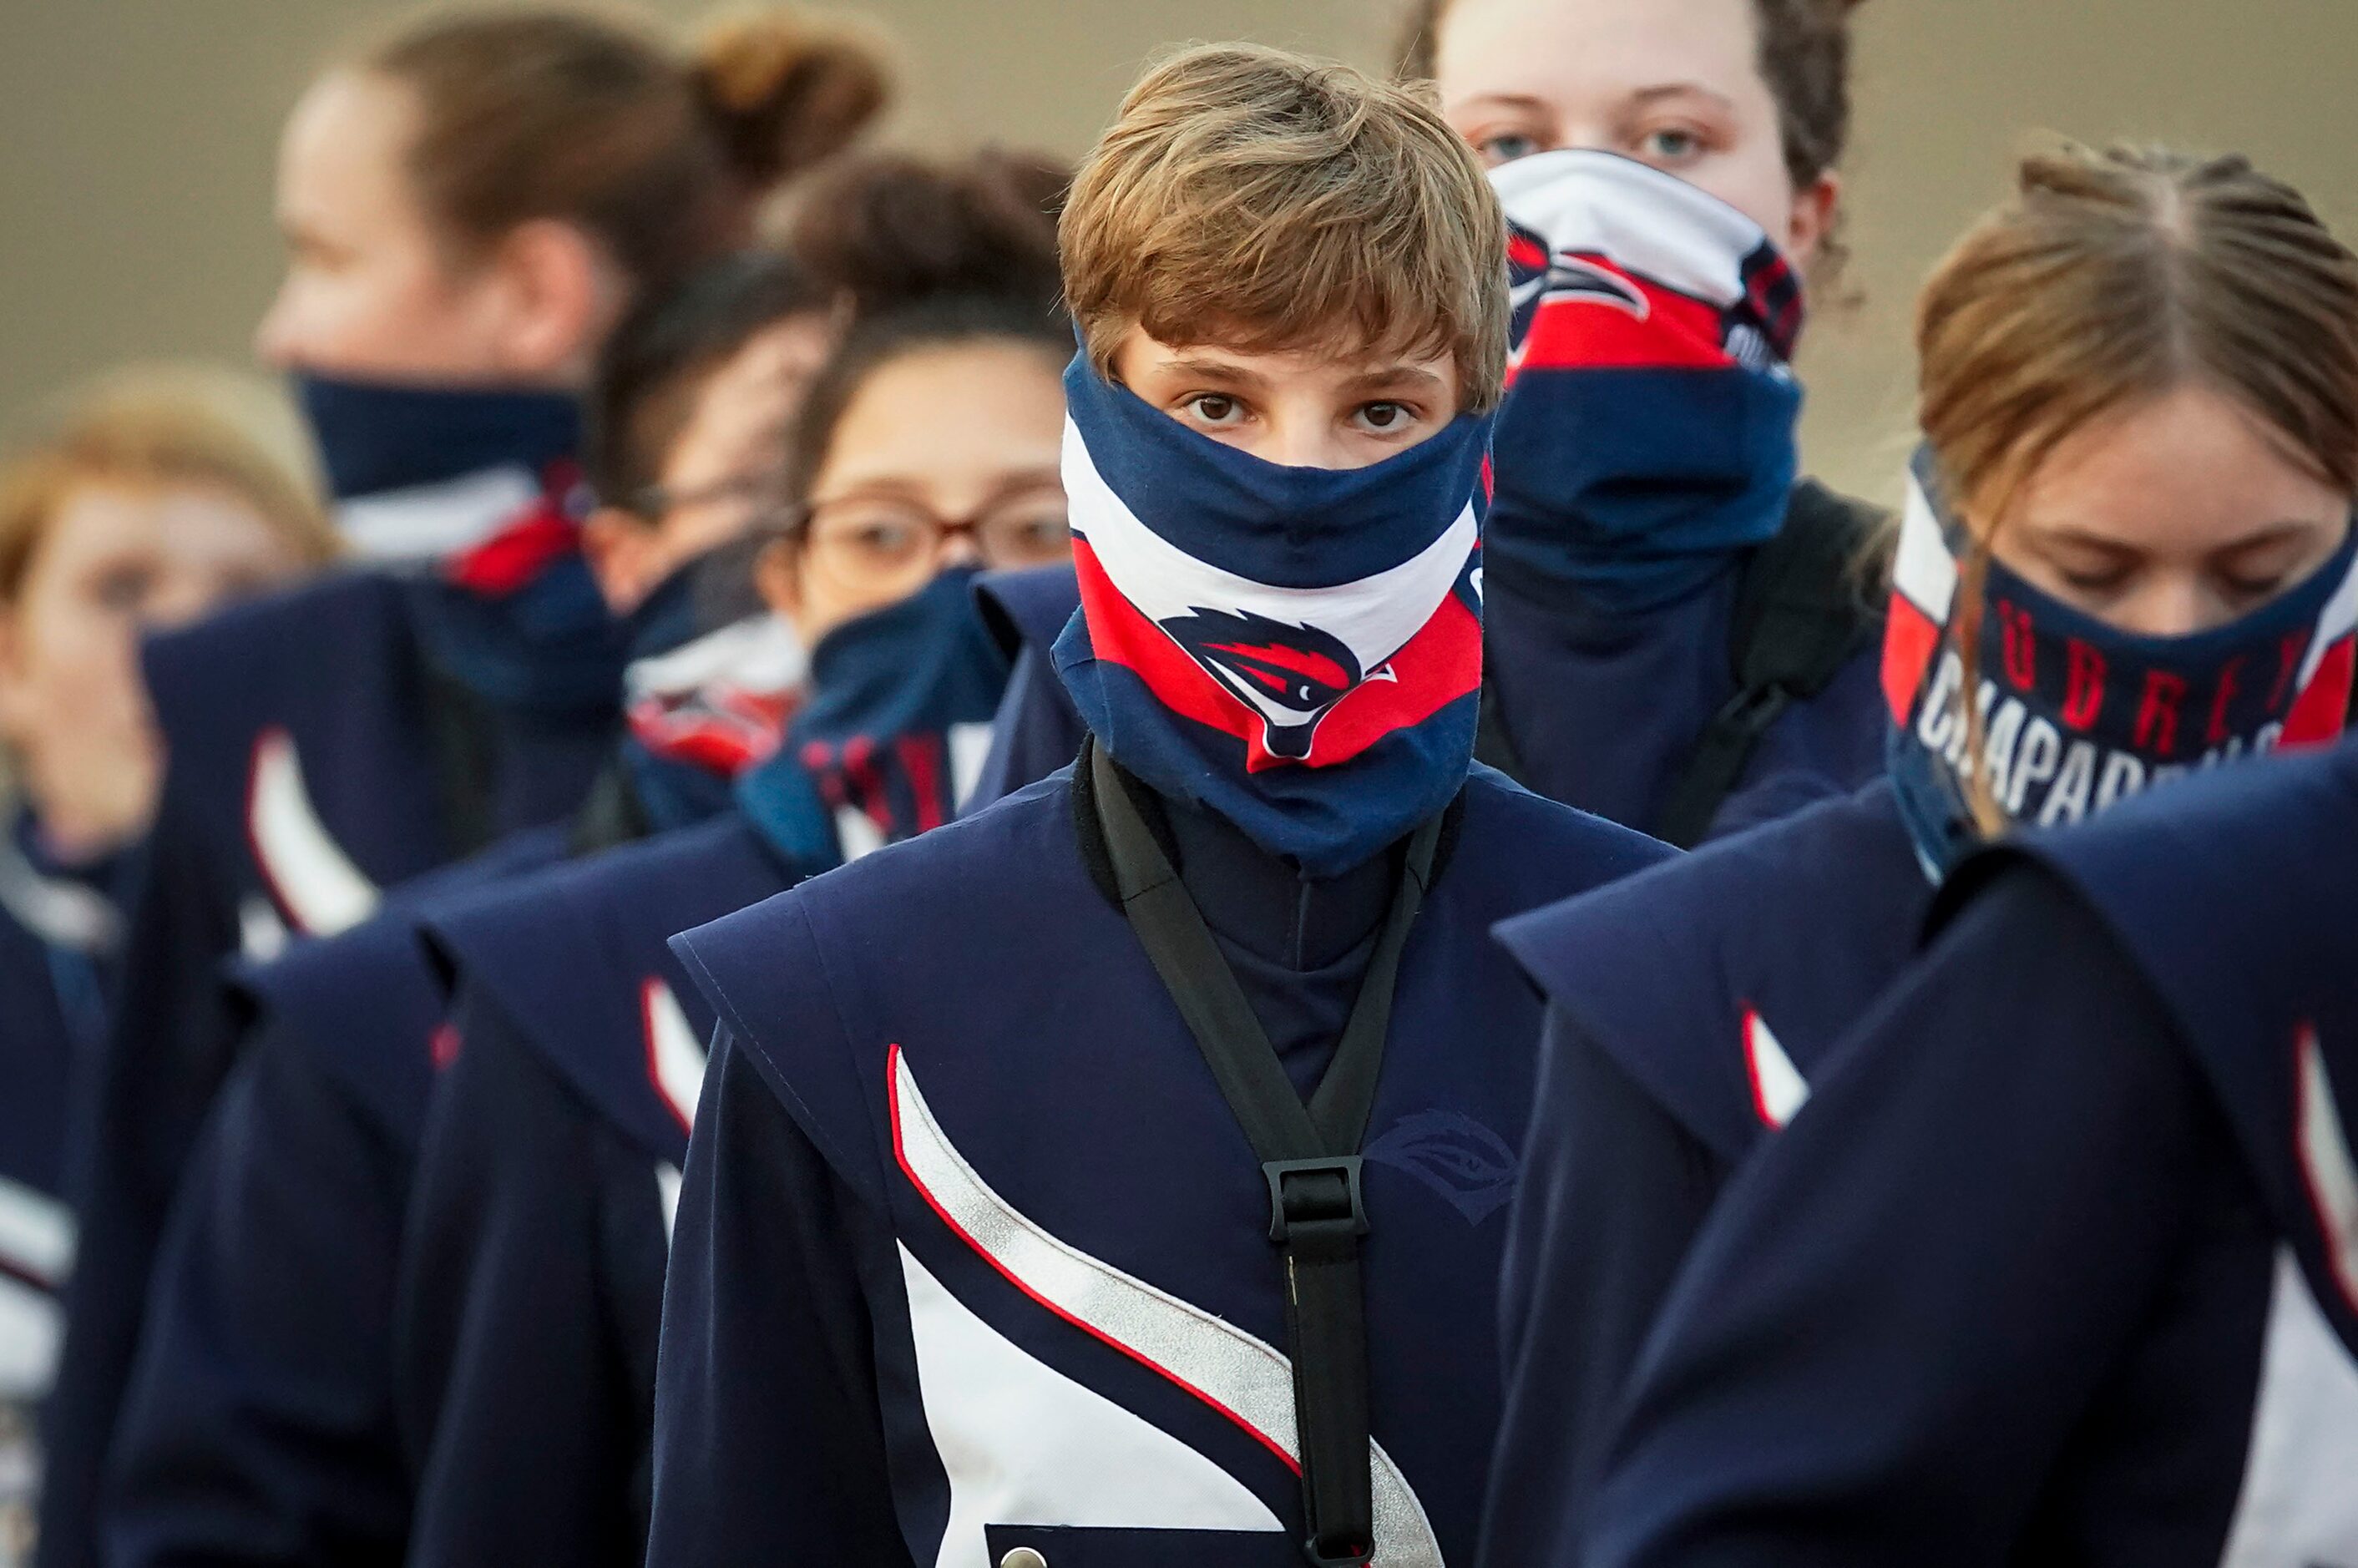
{"x":1297,"y":1199}
{"x":1319,"y":1558}
{"x":1751,"y":710}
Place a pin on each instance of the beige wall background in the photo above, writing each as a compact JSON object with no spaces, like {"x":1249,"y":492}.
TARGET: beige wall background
{"x":136,"y":139}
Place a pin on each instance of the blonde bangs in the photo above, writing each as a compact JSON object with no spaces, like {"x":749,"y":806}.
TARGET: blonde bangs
{"x":1261,"y":202}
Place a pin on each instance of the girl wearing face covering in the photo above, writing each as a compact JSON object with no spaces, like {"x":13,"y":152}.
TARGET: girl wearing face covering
{"x":1680,"y":636}
{"x":257,"y":1423}
{"x":2126,"y":555}
{"x":468,"y":206}
{"x":148,"y":500}
{"x":526,"y":1362}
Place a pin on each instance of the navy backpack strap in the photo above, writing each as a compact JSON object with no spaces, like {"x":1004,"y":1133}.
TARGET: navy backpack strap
{"x":1492,"y":744}
{"x":1803,"y":612}
{"x":463,"y":745}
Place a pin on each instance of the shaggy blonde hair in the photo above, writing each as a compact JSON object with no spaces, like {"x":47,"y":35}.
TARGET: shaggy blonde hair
{"x":1262,"y":200}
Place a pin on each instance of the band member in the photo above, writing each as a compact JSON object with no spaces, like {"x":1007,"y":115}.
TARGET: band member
{"x":2124,"y":1329}
{"x":468,"y":206}
{"x":1682,"y":632}
{"x":1020,"y":1136}
{"x":526,"y":1355}
{"x":2126,"y":555}
{"x":151,"y":498}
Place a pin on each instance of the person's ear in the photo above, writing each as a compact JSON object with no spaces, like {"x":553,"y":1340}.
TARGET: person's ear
{"x":778,"y":577}
{"x":558,"y":295}
{"x":625,"y":555}
{"x":1814,"y":206}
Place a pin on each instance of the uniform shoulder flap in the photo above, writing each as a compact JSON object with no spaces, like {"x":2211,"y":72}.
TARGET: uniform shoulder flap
{"x":1532,"y":850}
{"x":578,"y":958}
{"x":1717,"y":981}
{"x":294,"y":657}
{"x":365,"y":1005}
{"x":2232,"y":892}
{"x":295,"y":731}
{"x":361,"y":1008}
{"x":818,"y":984}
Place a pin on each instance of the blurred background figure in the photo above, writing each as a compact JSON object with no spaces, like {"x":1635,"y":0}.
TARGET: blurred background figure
{"x":929,"y":447}
{"x":144,"y":501}
{"x":259,"y":1422}
{"x":470,"y":205}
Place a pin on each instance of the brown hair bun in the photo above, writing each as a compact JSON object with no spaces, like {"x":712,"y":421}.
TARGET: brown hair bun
{"x":660,"y":155}
{"x":784,"y":91}
{"x":890,"y":229}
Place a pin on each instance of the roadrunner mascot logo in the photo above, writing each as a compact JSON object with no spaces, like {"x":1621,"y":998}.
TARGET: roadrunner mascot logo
{"x":1292,"y":675}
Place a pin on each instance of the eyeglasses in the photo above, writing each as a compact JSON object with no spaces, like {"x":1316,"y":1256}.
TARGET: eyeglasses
{"x":875,"y":544}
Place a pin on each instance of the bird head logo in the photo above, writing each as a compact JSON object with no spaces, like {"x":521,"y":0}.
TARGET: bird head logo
{"x":1292,"y":675}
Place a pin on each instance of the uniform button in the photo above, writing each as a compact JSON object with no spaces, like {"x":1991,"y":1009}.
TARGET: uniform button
{"x":1023,"y":1557}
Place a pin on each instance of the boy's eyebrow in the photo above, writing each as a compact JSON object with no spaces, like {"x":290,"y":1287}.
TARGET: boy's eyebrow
{"x":1216,"y":369}
{"x":1392,"y":378}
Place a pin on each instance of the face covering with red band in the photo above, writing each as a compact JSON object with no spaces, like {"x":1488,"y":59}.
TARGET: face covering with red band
{"x":1648,"y":434}
{"x":2074,"y":714}
{"x":1297,"y":651}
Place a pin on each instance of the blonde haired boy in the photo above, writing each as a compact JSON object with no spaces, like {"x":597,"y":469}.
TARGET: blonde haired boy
{"x":1116,"y":1175}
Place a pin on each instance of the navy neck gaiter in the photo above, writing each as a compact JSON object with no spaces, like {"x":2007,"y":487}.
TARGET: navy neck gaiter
{"x":893,"y":731}
{"x":1647,"y":439}
{"x":2072,"y":714}
{"x":475,"y":491}
{"x":699,"y":707}
{"x":1297,"y":651}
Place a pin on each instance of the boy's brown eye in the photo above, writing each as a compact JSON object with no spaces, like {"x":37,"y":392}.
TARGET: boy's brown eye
{"x":1212,"y":408}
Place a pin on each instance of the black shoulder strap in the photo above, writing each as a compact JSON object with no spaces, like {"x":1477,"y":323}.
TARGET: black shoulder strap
{"x":1492,"y":744}
{"x":610,"y":813}
{"x":1801,"y":613}
{"x":1310,"y":1154}
{"x":464,"y":742}
{"x":465,"y":751}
